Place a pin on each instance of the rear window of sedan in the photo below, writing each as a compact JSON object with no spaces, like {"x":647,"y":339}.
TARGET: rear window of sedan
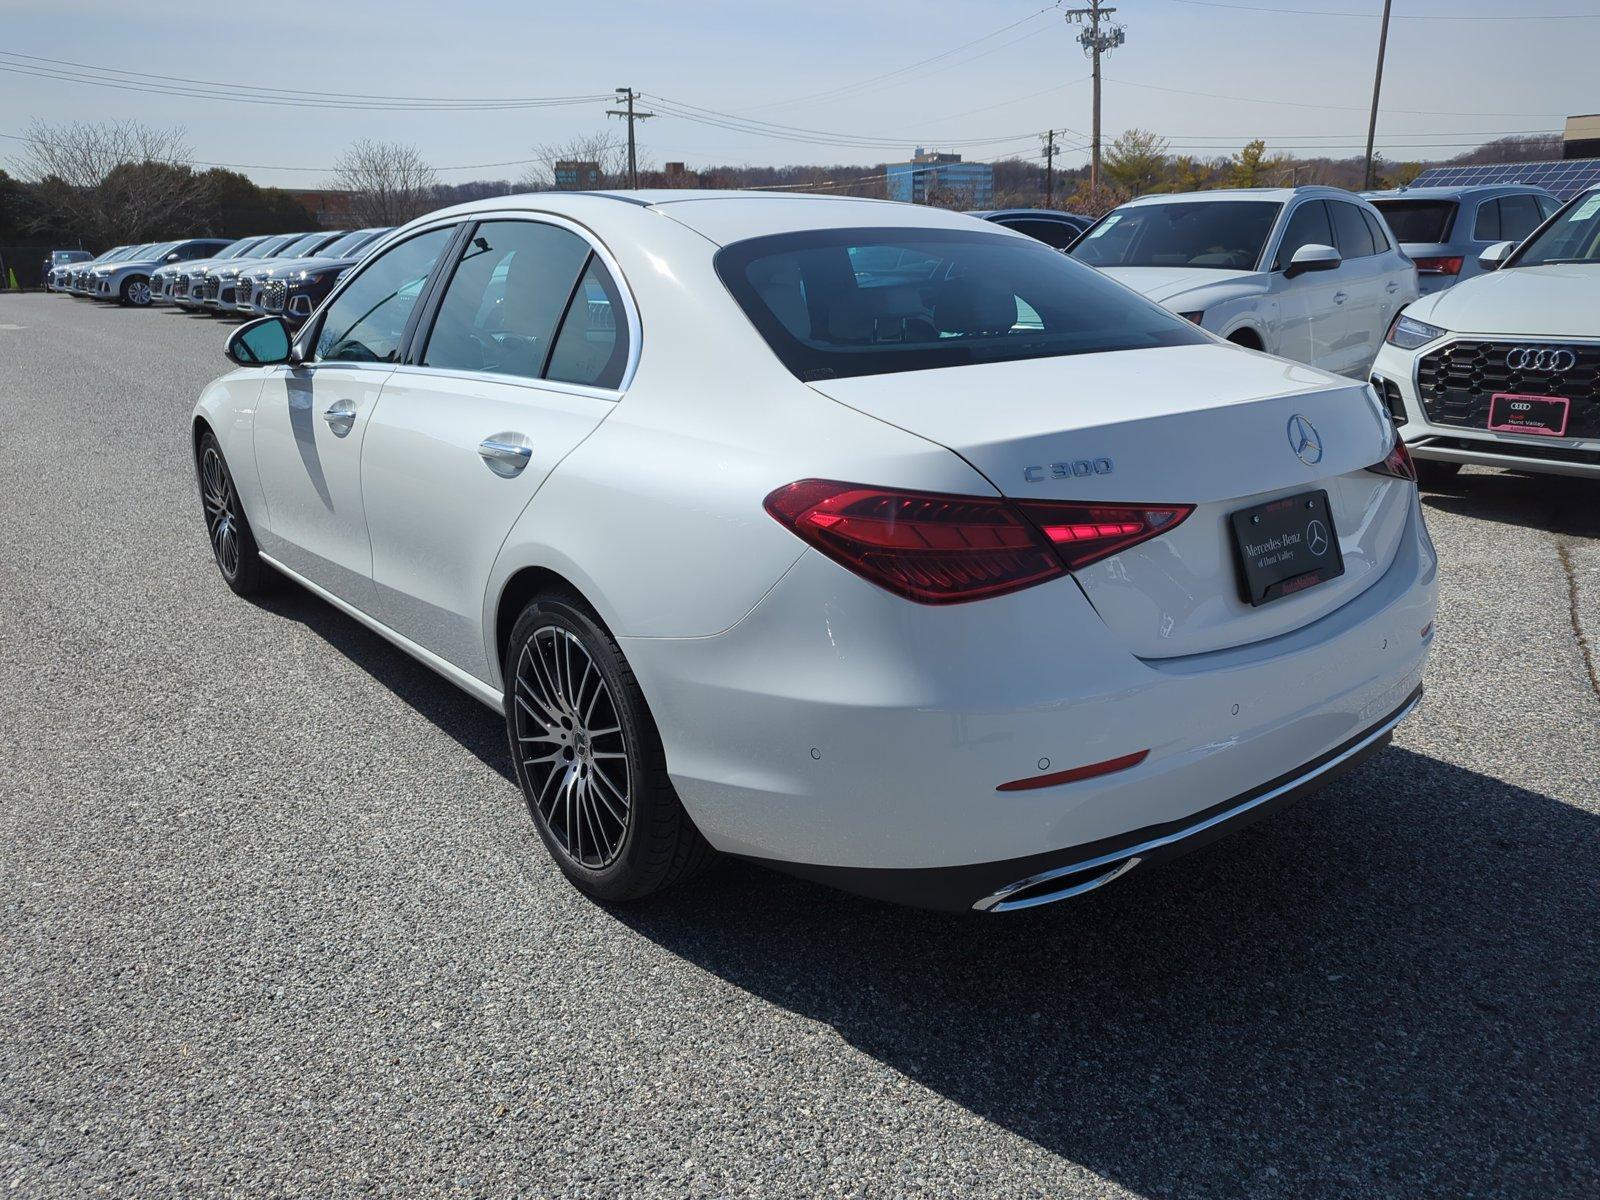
{"x":845,"y":302}
{"x":1418,"y":220}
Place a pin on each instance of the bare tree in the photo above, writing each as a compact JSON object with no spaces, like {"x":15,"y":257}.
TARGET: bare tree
{"x":389,"y":183}
{"x":608,"y":151}
{"x":116,"y":181}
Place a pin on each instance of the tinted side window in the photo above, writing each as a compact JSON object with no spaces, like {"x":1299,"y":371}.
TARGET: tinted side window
{"x":1380,"y":238}
{"x":368,"y":320}
{"x":1052,"y":233}
{"x":1488,"y":227}
{"x":500,"y":311}
{"x":592,"y":346}
{"x":1355,"y":239}
{"x":1307,"y":227}
{"x":1519,"y":216}
{"x":1548,"y":205}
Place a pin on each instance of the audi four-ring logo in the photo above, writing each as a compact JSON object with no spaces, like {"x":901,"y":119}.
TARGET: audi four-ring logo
{"x":1534,"y":358}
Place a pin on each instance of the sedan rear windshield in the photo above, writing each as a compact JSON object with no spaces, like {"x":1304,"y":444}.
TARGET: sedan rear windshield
{"x":1223,"y":235}
{"x":1418,"y":220}
{"x":843,"y":302}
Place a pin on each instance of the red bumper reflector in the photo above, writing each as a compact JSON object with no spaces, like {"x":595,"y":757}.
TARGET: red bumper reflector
{"x":1440,"y":266}
{"x":1076,"y":773}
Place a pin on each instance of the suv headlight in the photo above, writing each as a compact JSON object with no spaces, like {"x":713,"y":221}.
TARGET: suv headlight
{"x":1409,"y":333}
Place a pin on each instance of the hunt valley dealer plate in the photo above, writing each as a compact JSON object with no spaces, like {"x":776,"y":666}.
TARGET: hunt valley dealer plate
{"x":1286,"y":546}
{"x":1544,"y":415}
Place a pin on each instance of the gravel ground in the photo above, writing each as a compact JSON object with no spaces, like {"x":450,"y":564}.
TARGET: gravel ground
{"x":275,"y":922}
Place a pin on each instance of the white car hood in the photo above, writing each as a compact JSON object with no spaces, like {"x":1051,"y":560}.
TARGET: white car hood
{"x":1562,"y":300}
{"x":1162,"y":284}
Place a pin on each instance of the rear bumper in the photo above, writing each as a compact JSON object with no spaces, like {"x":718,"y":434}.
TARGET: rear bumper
{"x":1040,"y":879}
{"x":853,"y":736}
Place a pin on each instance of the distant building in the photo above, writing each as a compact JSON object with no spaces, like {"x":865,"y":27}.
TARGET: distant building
{"x":1581,"y":139}
{"x":577,"y":175}
{"x":930,"y":171}
{"x":331,"y":209}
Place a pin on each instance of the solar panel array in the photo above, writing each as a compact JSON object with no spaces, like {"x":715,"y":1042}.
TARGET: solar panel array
{"x":1564,"y":177}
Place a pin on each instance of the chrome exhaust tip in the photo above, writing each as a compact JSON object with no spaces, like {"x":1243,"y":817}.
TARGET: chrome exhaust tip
{"x":1063,"y":883}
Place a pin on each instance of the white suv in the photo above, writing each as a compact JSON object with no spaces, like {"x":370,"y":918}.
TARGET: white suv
{"x":1309,"y":273}
{"x":1504,"y":369}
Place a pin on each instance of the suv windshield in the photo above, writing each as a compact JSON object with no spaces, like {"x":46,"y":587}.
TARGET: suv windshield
{"x":1573,"y":236}
{"x":843,"y":302}
{"x":351,"y":241}
{"x":270,"y":246}
{"x":235,"y":248}
{"x":1222,"y":235}
{"x":1418,"y":220}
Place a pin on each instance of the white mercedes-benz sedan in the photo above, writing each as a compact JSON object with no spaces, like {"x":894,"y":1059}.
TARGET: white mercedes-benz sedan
{"x":1504,"y":369}
{"x":868,"y":541}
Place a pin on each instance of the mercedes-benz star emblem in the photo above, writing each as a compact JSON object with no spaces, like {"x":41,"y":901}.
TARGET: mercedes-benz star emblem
{"x":1317,"y":538}
{"x":1304,"y":440}
{"x":1541,"y":358}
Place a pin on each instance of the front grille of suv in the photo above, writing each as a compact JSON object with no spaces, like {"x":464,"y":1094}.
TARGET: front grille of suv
{"x":180,"y":286}
{"x":208,"y":288}
{"x":272,"y":295}
{"x":1456,"y":382}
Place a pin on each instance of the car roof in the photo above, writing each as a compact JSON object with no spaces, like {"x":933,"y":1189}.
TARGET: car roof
{"x":1211,"y":195}
{"x":722,"y":216}
{"x":1459,"y":192}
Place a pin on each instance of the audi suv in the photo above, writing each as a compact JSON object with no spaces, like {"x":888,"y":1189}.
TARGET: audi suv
{"x":1444,"y":229}
{"x":1504,"y":369}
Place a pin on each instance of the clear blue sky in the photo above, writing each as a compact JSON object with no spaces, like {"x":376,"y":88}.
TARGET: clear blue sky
{"x":808,"y":64}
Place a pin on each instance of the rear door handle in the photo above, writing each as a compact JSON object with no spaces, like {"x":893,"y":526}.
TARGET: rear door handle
{"x":506,"y":454}
{"x":1340,"y":297}
{"x":340,"y":416}
{"x":1392,"y":288}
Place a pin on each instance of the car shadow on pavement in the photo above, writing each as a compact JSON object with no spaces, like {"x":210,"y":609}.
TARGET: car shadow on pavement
{"x":473,"y":726}
{"x":1390,"y":989}
{"x":1558,"y":504}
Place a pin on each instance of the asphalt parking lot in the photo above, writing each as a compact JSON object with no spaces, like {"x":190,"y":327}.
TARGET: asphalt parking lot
{"x":276,"y":923}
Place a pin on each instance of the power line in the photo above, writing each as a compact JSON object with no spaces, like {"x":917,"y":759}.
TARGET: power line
{"x":206,"y":92}
{"x":1413,"y":112}
{"x":1368,"y":16}
{"x":862,"y":83}
{"x":711,"y":116}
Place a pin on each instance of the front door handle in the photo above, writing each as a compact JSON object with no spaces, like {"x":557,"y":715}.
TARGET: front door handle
{"x":506,"y":454}
{"x":340,"y":416}
{"x":1340,"y":297}
{"x":1392,"y":288}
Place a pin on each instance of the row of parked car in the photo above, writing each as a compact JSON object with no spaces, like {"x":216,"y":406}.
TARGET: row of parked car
{"x":285,"y":274}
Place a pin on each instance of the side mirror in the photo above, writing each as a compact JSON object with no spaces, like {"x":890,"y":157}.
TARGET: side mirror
{"x":260,"y":343}
{"x":173,"y":257}
{"x":1496,"y":254}
{"x":1312,"y":257}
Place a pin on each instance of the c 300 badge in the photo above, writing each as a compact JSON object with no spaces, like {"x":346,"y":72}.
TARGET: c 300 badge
{"x":1078,"y":468}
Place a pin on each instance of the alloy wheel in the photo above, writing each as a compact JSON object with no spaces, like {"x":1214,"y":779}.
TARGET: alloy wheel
{"x":570,"y":743}
{"x":139,"y":294}
{"x":222,"y":511}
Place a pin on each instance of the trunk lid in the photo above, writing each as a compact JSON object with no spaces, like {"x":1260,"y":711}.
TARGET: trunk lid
{"x":1202,"y":425}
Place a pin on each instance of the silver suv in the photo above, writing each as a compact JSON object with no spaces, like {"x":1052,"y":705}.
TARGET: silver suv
{"x":1445,"y":229}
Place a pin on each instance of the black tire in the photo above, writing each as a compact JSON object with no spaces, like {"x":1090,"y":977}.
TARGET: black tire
{"x":596,"y":784}
{"x":233,"y":545}
{"x":1434,"y":473}
{"x":135,"y":292}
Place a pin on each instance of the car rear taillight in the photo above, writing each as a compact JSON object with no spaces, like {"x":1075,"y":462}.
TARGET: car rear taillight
{"x":1450,"y":265}
{"x":1086,"y":533}
{"x":1397,"y":464}
{"x":936,"y":548}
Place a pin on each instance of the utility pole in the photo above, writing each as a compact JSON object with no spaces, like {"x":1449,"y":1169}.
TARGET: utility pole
{"x":1377,"y":86}
{"x":1049,"y":166}
{"x":1095,"y":42}
{"x":629,"y":95}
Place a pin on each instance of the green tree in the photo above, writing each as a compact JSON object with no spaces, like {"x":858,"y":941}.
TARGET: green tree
{"x":1137,"y":161}
{"x":1250,"y":167}
{"x":1189,"y":175}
